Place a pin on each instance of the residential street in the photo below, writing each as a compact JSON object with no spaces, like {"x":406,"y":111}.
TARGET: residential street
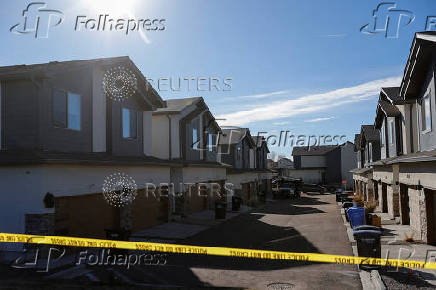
{"x":309,"y":224}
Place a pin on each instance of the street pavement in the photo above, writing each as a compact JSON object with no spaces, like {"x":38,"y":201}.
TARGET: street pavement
{"x":310,"y":224}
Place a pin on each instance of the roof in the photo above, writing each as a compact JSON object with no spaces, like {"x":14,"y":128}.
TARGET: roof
{"x":258,"y":140}
{"x":420,"y":56}
{"x":424,"y":156}
{"x":47,"y":69}
{"x":232,"y":136}
{"x":177,"y":105}
{"x":393,"y":94}
{"x":370,"y":133}
{"x":312,"y":150}
{"x":356,"y":142}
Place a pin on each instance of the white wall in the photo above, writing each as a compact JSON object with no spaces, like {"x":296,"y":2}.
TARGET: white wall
{"x":313,"y":161}
{"x":147,"y":126}
{"x":203,"y":174}
{"x":308,"y":175}
{"x":23,"y":188}
{"x":160,"y":136}
{"x":98,"y":112}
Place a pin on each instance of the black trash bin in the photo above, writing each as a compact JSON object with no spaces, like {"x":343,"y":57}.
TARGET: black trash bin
{"x":368,"y":245}
{"x":220,"y":210}
{"x":236,"y":203}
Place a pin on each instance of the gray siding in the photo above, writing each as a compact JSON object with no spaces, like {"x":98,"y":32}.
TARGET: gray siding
{"x":427,"y":141}
{"x":62,"y":139}
{"x":333,"y":160}
{"x":20,"y":118}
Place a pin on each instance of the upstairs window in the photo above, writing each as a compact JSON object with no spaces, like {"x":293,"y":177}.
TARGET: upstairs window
{"x":210,"y":142}
{"x":129,"y":122}
{"x":370,"y":151}
{"x":426,"y":113}
{"x":391,"y":132}
{"x":194,"y":139}
{"x":383,"y":134}
{"x":66,"y":110}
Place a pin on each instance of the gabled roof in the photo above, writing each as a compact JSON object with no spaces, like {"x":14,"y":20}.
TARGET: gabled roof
{"x":46,"y":69}
{"x":312,"y":150}
{"x":370,"y":133}
{"x":357,"y":142}
{"x":392,"y":94}
{"x":232,"y":136}
{"x":177,"y":105}
{"x":419,"y":60}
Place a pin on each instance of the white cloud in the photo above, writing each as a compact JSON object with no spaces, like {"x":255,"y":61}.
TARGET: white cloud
{"x":260,"y":96}
{"x":319,"y":119}
{"x":308,"y":104}
{"x":280,"y":123}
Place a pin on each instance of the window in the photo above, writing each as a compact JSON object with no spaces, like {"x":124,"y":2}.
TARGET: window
{"x":194,"y":139}
{"x":391,"y":132}
{"x":210,"y":142}
{"x":66,"y":110}
{"x":426,"y":113}
{"x":129,"y":121}
{"x":370,"y":151}
{"x":383,"y":133}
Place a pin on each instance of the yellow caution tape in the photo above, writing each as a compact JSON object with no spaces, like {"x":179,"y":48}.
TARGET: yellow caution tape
{"x":215,"y":251}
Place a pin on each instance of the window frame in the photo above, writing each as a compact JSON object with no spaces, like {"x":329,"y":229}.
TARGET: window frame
{"x":391,"y":130}
{"x":130,"y":121}
{"x":424,"y":101}
{"x":195,"y":139}
{"x":383,"y":133}
{"x":66,"y":94}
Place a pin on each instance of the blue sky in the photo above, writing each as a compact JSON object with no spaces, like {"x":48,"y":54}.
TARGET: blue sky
{"x":301,"y":66}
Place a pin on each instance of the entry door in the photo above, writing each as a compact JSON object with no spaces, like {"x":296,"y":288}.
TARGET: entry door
{"x":430,"y":197}
{"x":404,"y":204}
{"x":385,"y":197}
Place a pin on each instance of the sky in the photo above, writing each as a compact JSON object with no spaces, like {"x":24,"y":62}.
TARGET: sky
{"x":299,"y":66}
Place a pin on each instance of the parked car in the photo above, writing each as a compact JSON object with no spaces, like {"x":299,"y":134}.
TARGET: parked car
{"x":286,"y":188}
{"x":314,"y":188}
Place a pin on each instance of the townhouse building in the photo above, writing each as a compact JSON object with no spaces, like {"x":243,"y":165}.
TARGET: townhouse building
{"x":62,"y":136}
{"x":324,"y":164}
{"x":404,"y":177}
{"x":185,"y":131}
{"x":367,"y":150}
{"x":248,"y":176}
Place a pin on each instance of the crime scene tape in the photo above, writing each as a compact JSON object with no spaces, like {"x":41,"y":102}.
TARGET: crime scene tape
{"x":215,"y":251}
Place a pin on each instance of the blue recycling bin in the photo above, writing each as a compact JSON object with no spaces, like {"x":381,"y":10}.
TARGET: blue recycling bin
{"x":356,"y":216}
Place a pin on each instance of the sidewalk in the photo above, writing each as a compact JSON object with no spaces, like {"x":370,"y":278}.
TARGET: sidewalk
{"x":187,"y":227}
{"x":394,"y":246}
